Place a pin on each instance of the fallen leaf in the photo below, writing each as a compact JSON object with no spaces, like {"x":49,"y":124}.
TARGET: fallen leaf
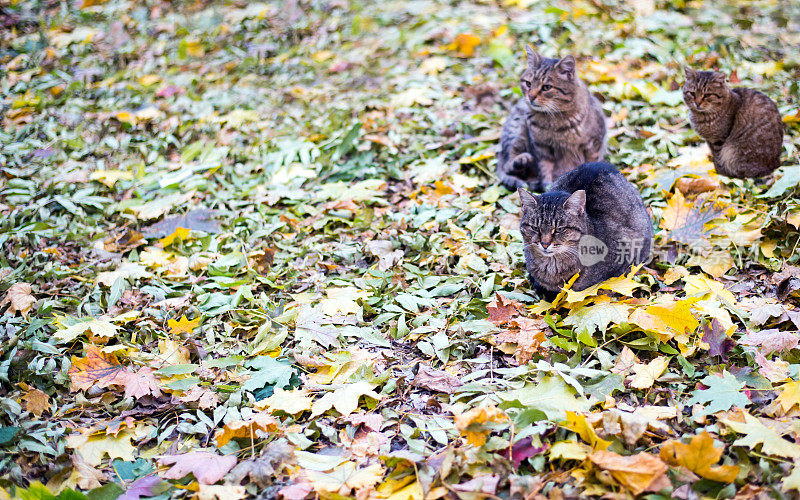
{"x":699,"y":456}
{"x":36,"y":401}
{"x":644,"y":376}
{"x":637,"y":473}
{"x":436,"y":380}
{"x":96,"y":368}
{"x":208,"y":468}
{"x":472,"y":424}
{"x":183,"y":325}
{"x":250,"y":428}
{"x":19,"y":299}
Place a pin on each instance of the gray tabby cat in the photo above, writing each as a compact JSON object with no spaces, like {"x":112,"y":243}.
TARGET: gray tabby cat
{"x":592,"y":221}
{"x":555,"y":127}
{"x":742,"y":126}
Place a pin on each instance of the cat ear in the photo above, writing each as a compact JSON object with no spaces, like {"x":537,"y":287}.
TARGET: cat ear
{"x":576,"y":203}
{"x":566,"y":67}
{"x":720,"y":77}
{"x":690,"y":73}
{"x":527,"y":198}
{"x":534,"y":59}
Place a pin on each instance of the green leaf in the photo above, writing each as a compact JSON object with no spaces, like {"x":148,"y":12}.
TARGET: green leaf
{"x":723,"y":393}
{"x":552,"y":396}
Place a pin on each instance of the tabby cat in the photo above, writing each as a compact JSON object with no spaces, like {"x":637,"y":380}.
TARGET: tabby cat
{"x":742,"y":126}
{"x":556,"y":126}
{"x":592,"y":221}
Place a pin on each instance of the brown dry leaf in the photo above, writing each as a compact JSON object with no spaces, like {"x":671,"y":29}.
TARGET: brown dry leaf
{"x":695,"y":185}
{"x":436,"y":380}
{"x":637,"y":473}
{"x":36,"y":401}
{"x":205,"y":398}
{"x":97,"y":368}
{"x":529,"y":337}
{"x":19,"y":299}
{"x":85,"y":475}
{"x":700,"y":457}
{"x":262,"y":422}
{"x":472,"y":423}
{"x":501,"y":310}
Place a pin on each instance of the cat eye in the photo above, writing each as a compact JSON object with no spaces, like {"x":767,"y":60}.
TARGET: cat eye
{"x":546,"y":87}
{"x":526,"y":84}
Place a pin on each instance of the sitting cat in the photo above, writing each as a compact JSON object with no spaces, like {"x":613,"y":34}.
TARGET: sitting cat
{"x":742,"y":126}
{"x":592,"y":221}
{"x":555,"y":127}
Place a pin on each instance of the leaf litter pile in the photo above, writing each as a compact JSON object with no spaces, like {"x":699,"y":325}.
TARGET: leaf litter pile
{"x":258,"y":250}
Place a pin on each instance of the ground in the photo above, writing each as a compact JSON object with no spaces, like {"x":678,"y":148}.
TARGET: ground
{"x":259,"y":250}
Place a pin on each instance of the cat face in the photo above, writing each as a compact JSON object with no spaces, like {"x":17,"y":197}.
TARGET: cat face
{"x":705,"y":91}
{"x":548,"y":84}
{"x":552,"y":223}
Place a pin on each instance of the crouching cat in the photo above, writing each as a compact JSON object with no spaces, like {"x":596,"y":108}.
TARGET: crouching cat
{"x":592,"y":221}
{"x":742,"y":126}
{"x":556,"y":126}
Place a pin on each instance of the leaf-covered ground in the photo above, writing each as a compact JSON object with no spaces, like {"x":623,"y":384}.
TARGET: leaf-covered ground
{"x":259,"y":250}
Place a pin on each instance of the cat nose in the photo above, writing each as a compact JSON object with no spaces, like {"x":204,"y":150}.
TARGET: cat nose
{"x":545,"y":244}
{"x":698,"y":100}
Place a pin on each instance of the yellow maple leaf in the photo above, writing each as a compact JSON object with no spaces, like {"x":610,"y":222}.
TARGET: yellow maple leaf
{"x":577,"y":423}
{"x":180,"y":233}
{"x":183,"y":325}
{"x":667,"y":318}
{"x":472,"y":423}
{"x":483,"y":155}
{"x":644,"y":376}
{"x":97,"y":368}
{"x":789,"y":396}
{"x":700,"y":285}
{"x":700,"y":457}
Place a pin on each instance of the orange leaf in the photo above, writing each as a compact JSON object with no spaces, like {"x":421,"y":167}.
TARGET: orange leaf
{"x":98,"y":368}
{"x":637,"y":473}
{"x":180,"y":233}
{"x":36,"y":402}
{"x":699,"y":456}
{"x":502,"y":310}
{"x":183,"y":325}
{"x":472,"y":423}
{"x":465,"y":44}
{"x":263,"y":422}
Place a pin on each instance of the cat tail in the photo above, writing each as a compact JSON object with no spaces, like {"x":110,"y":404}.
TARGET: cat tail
{"x":513,"y":183}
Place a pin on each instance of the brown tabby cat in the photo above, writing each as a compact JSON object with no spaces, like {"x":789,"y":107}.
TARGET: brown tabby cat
{"x":555,"y":127}
{"x":592,"y":221}
{"x":742,"y":126}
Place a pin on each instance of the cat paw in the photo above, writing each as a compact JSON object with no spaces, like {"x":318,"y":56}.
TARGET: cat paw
{"x":523,"y":165}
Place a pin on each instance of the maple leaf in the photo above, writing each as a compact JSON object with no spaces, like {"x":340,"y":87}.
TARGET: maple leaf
{"x":597,"y":317}
{"x":501,"y":309}
{"x":140,"y":384}
{"x":19,"y":299}
{"x":291,"y":402}
{"x":523,"y":449}
{"x":205,"y":398}
{"x":36,"y":401}
{"x":345,"y":478}
{"x":769,"y":341}
{"x":757,"y":433}
{"x":789,"y":396}
{"x":345,"y":398}
{"x":774,"y":371}
{"x":637,"y":473}
{"x":436,"y":380}
{"x":667,"y":318}
{"x":208,"y":468}
{"x":258,"y":422}
{"x":472,"y":424}
{"x":94,"y":446}
{"x":685,"y":223}
{"x":699,"y":456}
{"x":644,"y":376}
{"x":98,"y":327}
{"x":84,"y":475}
{"x":528,"y":338}
{"x":718,"y":341}
{"x":183,"y":325}
{"x":97,"y":368}
{"x":723,"y":393}
{"x":577,"y":423}
{"x":551,"y":395}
